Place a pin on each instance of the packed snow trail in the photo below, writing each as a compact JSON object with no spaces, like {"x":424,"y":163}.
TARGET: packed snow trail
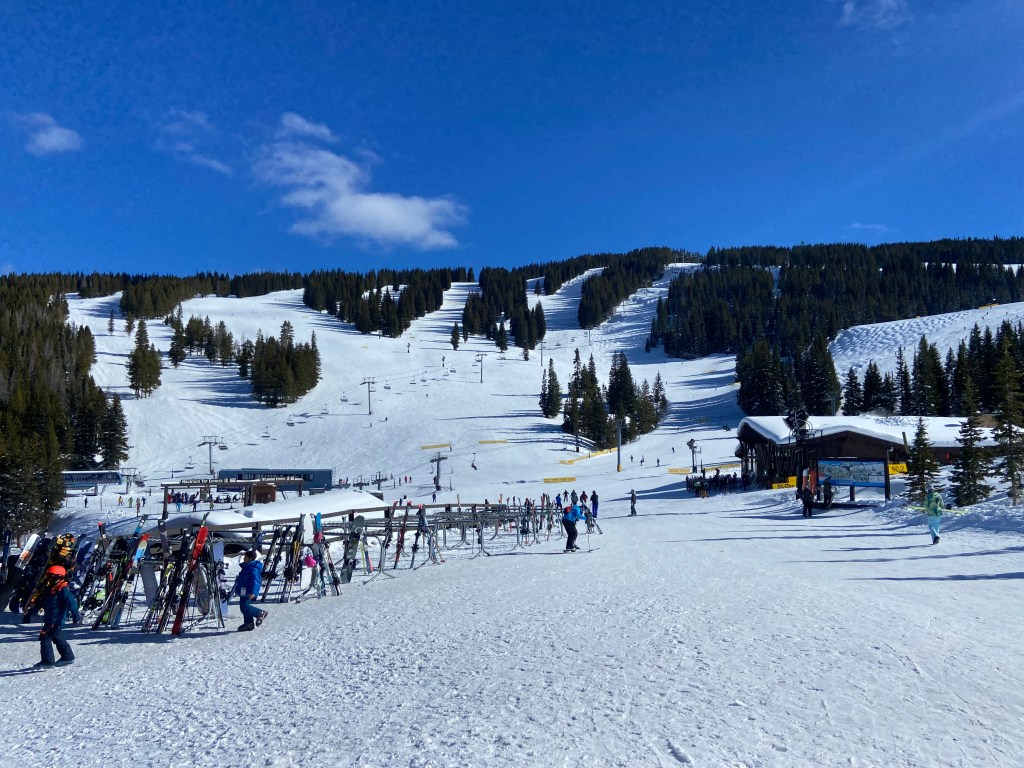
{"x":717,"y":632}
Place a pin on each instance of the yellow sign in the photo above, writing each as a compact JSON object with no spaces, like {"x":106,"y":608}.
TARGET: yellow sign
{"x":678,"y":471}
{"x":790,"y":483}
{"x":559,"y":479}
{"x":432,"y":447}
{"x":897,"y":469}
{"x":491,"y":442}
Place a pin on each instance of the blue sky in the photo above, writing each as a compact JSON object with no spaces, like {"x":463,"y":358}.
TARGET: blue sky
{"x":187,"y":136}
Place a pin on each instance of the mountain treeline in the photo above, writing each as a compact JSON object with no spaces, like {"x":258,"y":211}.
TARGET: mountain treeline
{"x":53,"y":416}
{"x":734,"y":300}
{"x":620,"y":278}
{"x":368,"y":300}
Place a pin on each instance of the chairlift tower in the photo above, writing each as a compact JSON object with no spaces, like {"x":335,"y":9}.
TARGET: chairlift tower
{"x":209,"y":441}
{"x":369,"y":382}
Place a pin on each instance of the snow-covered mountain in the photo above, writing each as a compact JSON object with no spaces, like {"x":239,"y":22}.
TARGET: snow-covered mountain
{"x":725,"y":631}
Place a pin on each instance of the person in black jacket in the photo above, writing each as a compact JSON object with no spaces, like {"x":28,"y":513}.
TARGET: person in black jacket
{"x":807,"y":497}
{"x":58,"y":603}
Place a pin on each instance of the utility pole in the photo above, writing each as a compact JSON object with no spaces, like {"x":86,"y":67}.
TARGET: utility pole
{"x":369,"y":382}
{"x":438,"y":458}
{"x":480,"y":359}
{"x":692,"y":445}
{"x":209,"y":441}
{"x":542,"y":354}
{"x":379,"y":480}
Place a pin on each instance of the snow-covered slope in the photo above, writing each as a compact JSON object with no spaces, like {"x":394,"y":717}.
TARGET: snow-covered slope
{"x":726,"y":631}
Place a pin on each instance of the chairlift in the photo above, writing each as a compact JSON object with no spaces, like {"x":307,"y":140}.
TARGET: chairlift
{"x":386,"y":385}
{"x":189,"y":464}
{"x":223,"y":446}
{"x":423,"y":378}
{"x":324,"y":411}
{"x":344,"y":398}
{"x":453,"y":370}
{"x":266,"y":432}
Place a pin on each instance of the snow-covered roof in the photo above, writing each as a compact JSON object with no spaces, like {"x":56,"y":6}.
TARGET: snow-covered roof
{"x":943,"y":431}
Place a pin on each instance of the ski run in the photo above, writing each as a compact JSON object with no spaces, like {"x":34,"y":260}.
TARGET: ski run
{"x":719,"y":631}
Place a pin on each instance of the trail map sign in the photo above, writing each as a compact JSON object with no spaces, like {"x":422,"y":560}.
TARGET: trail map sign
{"x":853,"y":472}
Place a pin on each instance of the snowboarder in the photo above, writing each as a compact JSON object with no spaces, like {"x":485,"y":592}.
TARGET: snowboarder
{"x":933,"y":509}
{"x":572,"y":514}
{"x":632,"y":503}
{"x":57,"y":604}
{"x":247,"y":585}
{"x":807,"y":497}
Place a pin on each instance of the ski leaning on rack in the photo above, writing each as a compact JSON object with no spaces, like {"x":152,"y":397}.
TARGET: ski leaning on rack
{"x":18,"y":570}
{"x":348,"y":559}
{"x":165,"y":603}
{"x":119,"y":570}
{"x":188,"y":582}
{"x":400,"y":543}
{"x":293,"y":563}
{"x":274,"y":554}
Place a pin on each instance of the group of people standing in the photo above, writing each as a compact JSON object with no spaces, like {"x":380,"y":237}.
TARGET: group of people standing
{"x":574,"y":508}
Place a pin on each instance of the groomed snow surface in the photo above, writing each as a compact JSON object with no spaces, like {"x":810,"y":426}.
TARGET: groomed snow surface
{"x":726,"y":631}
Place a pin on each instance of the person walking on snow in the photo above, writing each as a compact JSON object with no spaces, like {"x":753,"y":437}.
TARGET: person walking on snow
{"x":933,"y":509}
{"x":57,"y":604}
{"x":593,"y":503}
{"x":247,"y":585}
{"x":632,"y":503}
{"x":807,"y":497}
{"x":572,"y":514}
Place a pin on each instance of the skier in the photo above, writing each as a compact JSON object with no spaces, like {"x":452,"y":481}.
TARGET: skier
{"x":593,"y":503}
{"x":572,"y":514}
{"x":247,"y":585}
{"x":632,"y":503}
{"x":807,"y":497}
{"x":57,"y":604}
{"x":933,"y":509}
{"x":573,"y":497}
{"x":827,"y":491}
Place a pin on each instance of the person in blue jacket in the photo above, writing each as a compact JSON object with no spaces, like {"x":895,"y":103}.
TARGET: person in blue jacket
{"x":569,"y":518}
{"x":58,"y":604}
{"x":247,"y":586}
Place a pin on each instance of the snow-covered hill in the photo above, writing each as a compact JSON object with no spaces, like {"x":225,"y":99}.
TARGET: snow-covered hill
{"x":726,"y":631}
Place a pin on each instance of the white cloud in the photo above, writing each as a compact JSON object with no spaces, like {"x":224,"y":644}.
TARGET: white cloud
{"x":331,"y":191}
{"x":879,"y":14}
{"x":180,"y":134}
{"x":45,"y":136}
{"x":871,"y":229}
{"x":296,"y":125}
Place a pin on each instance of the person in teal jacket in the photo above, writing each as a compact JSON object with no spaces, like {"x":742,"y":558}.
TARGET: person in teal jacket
{"x":569,"y":518}
{"x":933,"y":509}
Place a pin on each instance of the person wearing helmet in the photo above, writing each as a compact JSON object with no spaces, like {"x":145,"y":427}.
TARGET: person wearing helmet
{"x":58,"y":603}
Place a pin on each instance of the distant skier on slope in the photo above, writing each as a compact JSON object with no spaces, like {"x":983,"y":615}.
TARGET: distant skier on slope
{"x":247,"y":586}
{"x":57,"y":605}
{"x":933,"y":509}
{"x":632,"y":503}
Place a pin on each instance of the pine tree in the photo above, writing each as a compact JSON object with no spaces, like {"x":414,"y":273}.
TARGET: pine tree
{"x":110,"y":324}
{"x":114,"y":436}
{"x":552,"y":405}
{"x":970,"y":467}
{"x":872,"y":397}
{"x":1009,"y":426}
{"x":922,"y":467}
{"x":852,"y":394}
{"x":455,"y":336}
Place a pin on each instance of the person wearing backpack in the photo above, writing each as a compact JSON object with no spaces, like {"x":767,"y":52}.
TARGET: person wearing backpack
{"x":58,"y":604}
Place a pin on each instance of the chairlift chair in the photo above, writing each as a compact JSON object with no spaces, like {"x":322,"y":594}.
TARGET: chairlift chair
{"x":344,"y":398}
{"x":223,"y":446}
{"x":386,"y":385}
{"x":189,"y":464}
